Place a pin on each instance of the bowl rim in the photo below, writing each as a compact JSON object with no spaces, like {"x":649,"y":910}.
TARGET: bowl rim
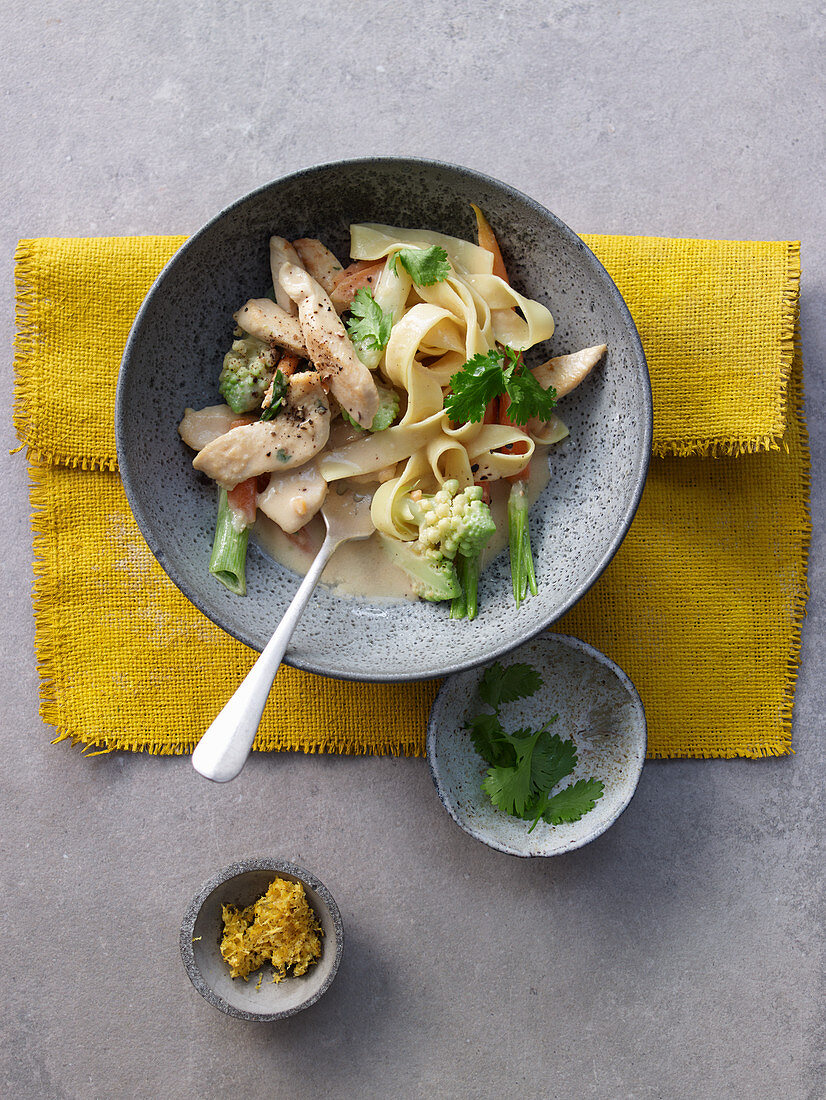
{"x":196,"y":976}
{"x":507,"y":644}
{"x":501,"y":846}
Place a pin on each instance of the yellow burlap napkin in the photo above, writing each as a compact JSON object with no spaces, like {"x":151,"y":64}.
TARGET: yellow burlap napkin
{"x":702,"y":605}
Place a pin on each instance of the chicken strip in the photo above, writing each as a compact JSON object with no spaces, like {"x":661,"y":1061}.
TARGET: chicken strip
{"x":565,"y":372}
{"x":292,"y":499}
{"x":291,"y":438}
{"x":329,"y":347}
{"x":319,"y":261}
{"x":267,"y":321}
{"x":282,"y":252}
{"x":202,"y":426}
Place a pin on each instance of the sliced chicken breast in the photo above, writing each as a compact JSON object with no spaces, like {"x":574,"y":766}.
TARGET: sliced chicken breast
{"x":329,"y":347}
{"x":565,"y":372}
{"x":319,"y":261}
{"x":267,"y":321}
{"x":292,"y":499}
{"x":282,"y":252}
{"x":290,"y":439}
{"x":201,"y":426}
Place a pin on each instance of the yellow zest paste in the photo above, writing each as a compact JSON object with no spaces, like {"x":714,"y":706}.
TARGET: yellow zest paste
{"x":280,"y":928}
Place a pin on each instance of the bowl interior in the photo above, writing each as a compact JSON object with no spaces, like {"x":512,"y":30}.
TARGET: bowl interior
{"x":201,"y":935}
{"x":596,"y":702}
{"x":174,"y":356}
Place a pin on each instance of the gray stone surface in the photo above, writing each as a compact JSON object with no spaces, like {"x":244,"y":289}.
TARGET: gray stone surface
{"x":681,"y":954}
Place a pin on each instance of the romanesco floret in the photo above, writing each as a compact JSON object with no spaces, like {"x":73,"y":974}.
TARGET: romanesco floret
{"x":247,"y":371}
{"x":452,"y":521}
{"x":386,"y":413}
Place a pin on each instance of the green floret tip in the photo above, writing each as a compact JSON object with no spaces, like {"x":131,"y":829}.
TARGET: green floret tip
{"x":386,"y":413}
{"x":246,"y":374}
{"x":479,"y":528}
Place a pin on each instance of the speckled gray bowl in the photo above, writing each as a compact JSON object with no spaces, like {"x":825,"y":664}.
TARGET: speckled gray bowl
{"x":596,"y":703}
{"x":174,"y":355}
{"x":201,"y":931}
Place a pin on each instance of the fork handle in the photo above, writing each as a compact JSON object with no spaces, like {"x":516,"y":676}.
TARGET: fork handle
{"x":223,"y":750}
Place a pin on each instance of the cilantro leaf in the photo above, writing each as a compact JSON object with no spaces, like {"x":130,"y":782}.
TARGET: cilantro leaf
{"x":500,"y":371}
{"x":509,"y":789}
{"x":501,"y":684}
{"x":528,"y":398}
{"x":490,"y":740}
{"x":368,"y":324}
{"x":552,"y":760}
{"x":474,"y":387}
{"x":425,"y":266}
{"x":513,"y":788}
{"x":528,"y":764}
{"x":572,"y":803}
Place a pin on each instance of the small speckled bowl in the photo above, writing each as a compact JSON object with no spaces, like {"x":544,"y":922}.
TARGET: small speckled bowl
{"x":202,"y":928}
{"x":597,"y":704}
{"x":174,"y":356}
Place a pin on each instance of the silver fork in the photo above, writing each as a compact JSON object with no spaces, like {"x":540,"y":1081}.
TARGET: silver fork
{"x":223,"y":750}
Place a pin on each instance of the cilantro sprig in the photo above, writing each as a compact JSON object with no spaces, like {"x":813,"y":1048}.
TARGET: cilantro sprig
{"x":425,"y":266}
{"x":499,"y":371}
{"x":526,"y":765}
{"x":368,"y":324}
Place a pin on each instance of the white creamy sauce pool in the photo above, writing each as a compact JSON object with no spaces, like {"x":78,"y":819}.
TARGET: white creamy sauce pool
{"x":362,"y":568}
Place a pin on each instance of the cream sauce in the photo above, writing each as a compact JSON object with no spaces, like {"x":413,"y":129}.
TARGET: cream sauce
{"x":362,"y":568}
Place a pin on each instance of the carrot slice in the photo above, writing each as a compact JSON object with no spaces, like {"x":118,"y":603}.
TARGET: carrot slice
{"x":287,"y":364}
{"x":487,"y":240}
{"x":243,"y":500}
{"x":302,"y":539}
{"x":513,"y":448}
{"x":362,"y":273}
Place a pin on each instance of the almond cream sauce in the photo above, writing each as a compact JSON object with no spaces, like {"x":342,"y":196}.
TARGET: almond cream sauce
{"x":362,"y":568}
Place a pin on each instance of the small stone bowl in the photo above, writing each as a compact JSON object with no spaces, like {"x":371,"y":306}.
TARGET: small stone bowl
{"x":202,"y":928}
{"x":597,"y":704}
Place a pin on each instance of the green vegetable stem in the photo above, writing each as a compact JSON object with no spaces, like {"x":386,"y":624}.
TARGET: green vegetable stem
{"x":229,"y":549}
{"x":454,"y":524}
{"x":523,"y":576}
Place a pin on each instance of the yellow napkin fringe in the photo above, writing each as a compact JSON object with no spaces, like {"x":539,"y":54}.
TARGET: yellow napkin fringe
{"x":802,"y":590}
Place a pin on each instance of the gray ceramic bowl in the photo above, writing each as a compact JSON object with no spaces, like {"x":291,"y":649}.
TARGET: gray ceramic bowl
{"x":241,"y":885}
{"x":596,"y":703}
{"x":174,"y":355}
